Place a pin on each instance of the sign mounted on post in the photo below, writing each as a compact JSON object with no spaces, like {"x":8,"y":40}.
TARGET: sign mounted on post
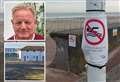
{"x":72,"y":40}
{"x":94,"y":31}
{"x":95,"y":39}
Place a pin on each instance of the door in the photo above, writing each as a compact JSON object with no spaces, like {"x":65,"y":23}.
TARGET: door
{"x":37,"y":58}
{"x":24,"y":58}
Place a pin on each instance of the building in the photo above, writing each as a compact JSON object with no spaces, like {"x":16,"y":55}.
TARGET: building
{"x":11,"y":53}
{"x":10,"y":50}
{"x":32,"y":53}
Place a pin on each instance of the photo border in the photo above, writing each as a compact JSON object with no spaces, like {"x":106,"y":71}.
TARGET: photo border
{"x":30,"y":1}
{"x":42,"y":44}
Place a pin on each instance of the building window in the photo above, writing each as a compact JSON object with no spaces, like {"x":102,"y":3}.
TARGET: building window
{"x":33,"y":56}
{"x":10,"y":50}
{"x":42,"y":58}
{"x":36,"y":58}
{"x":24,"y":58}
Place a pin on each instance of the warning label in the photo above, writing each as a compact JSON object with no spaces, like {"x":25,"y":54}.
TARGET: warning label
{"x":94,"y":31}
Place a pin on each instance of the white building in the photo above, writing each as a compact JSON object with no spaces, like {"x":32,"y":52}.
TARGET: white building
{"x":32,"y":53}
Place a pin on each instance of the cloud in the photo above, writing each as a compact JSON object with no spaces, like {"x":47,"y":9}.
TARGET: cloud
{"x":77,"y":6}
{"x":62,"y":7}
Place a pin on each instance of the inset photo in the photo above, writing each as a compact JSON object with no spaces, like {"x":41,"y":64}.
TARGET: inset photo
{"x":24,"y":20}
{"x":24,"y":61}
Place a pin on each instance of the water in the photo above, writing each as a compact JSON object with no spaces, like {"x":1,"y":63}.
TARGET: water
{"x":75,"y":15}
{"x":68,"y":15}
{"x":64,"y":15}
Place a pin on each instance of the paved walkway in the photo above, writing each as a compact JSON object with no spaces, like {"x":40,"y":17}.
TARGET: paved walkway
{"x":57,"y":75}
{"x":113,"y":66}
{"x":113,"y":71}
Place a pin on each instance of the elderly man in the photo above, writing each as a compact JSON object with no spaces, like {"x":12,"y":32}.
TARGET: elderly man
{"x":24,"y":23}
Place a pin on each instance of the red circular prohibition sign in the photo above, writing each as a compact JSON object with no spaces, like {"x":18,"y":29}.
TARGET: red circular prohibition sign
{"x":88,"y":26}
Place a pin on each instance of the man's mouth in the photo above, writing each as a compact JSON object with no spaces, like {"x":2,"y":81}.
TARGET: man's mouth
{"x":23,"y":31}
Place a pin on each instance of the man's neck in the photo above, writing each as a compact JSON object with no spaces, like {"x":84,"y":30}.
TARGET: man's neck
{"x":29,"y":38}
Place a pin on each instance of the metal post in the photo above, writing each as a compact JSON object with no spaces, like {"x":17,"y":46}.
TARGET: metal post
{"x":95,"y":40}
{"x":96,"y":74}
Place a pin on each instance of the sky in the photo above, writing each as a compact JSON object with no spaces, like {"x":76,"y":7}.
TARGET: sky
{"x":78,"y":6}
{"x":66,"y":6}
{"x":22,"y":44}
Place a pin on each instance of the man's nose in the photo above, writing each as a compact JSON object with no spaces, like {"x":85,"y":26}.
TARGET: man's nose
{"x":23,"y":25}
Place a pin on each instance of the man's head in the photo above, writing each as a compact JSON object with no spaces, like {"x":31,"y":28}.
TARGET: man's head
{"x":24,"y":21}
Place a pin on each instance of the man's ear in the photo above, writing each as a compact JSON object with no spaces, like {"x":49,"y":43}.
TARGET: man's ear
{"x":12,"y":21}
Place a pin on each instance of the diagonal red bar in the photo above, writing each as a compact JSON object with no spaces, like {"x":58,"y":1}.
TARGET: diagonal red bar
{"x":95,"y":33}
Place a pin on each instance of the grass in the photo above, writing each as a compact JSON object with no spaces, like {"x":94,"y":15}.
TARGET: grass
{"x":35,"y":75}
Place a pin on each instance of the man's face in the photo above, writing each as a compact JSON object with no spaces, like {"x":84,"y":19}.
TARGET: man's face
{"x":24,"y":24}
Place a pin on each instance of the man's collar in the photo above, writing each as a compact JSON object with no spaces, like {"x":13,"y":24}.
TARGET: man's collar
{"x":33,"y":37}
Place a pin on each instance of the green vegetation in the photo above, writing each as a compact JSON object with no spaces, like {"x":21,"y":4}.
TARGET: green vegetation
{"x":35,"y":74}
{"x":113,"y":41}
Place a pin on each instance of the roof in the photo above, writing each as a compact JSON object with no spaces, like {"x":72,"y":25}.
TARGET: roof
{"x":33,"y":48}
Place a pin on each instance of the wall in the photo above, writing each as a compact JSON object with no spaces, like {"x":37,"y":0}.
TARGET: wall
{"x":32,"y":56}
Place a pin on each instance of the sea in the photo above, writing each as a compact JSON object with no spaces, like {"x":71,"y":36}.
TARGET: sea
{"x":75,"y":15}
{"x":68,"y":15}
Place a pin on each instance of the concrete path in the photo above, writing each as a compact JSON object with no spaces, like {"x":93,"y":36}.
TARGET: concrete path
{"x":57,"y":75}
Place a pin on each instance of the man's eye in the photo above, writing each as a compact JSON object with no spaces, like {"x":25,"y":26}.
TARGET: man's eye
{"x":19,"y":22}
{"x":27,"y":22}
